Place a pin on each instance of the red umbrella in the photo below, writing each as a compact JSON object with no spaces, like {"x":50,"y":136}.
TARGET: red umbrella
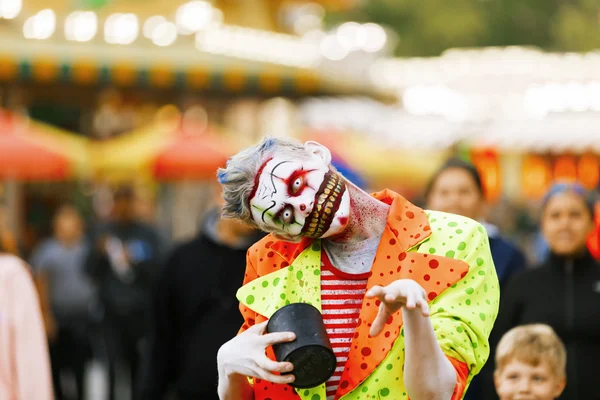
{"x":21,"y":158}
{"x":193,"y":155}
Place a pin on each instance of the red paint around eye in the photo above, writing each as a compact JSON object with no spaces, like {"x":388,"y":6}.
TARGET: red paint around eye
{"x":256,"y":179}
{"x":293,"y":177}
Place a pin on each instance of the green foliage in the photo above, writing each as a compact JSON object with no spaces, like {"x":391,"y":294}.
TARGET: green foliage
{"x":428,"y":27}
{"x":92,"y":3}
{"x":578,"y":29}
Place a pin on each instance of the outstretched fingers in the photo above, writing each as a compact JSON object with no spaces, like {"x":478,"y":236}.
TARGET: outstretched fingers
{"x":414,"y":300}
{"x":424,"y":307}
{"x":376,"y":291}
{"x":411,"y":301}
{"x":380,"y":319}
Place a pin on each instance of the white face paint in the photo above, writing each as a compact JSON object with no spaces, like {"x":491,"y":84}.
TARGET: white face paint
{"x":296,"y":198}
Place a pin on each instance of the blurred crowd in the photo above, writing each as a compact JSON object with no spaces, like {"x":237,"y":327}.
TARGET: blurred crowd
{"x":115,"y":293}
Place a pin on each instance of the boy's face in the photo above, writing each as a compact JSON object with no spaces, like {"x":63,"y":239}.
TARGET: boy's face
{"x":520,"y":381}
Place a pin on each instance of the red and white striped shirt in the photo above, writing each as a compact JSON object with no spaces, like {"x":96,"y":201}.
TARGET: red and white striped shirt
{"x":341,"y":299}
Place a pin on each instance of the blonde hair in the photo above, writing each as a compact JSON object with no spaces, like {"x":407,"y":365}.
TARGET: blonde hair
{"x":533,"y":344}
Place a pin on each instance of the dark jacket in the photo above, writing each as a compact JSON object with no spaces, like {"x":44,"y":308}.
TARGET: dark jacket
{"x":194,"y":312}
{"x":565,"y":294}
{"x":128,"y":294}
{"x":508,"y":259}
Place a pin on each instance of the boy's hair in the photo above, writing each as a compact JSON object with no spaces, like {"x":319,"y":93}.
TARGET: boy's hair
{"x":533,"y":344}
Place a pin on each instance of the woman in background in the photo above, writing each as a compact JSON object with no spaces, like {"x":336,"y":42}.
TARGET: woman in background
{"x":564,"y":292}
{"x":457,"y":188}
{"x":24,"y":363}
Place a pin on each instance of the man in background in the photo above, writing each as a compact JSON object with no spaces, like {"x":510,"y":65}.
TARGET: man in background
{"x":59,"y":263}
{"x":195,"y":311}
{"x":123,"y":261}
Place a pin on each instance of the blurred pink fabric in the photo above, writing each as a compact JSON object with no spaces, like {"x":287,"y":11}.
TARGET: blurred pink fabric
{"x":24,"y":361}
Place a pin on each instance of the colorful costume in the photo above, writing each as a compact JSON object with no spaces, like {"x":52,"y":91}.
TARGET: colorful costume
{"x":446,"y":254}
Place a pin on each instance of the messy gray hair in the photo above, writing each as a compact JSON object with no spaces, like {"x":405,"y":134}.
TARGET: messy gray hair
{"x":238,"y":177}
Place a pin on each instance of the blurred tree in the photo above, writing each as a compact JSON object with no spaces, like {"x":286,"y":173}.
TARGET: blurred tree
{"x":577,"y":26}
{"x":92,"y":3}
{"x":424,"y":28}
{"x":427,"y":28}
{"x":520,"y":22}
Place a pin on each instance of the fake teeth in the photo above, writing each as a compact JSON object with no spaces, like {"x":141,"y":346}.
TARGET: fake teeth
{"x":327,"y":200}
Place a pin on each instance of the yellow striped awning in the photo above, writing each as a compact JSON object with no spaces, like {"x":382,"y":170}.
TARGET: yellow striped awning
{"x":233,"y":79}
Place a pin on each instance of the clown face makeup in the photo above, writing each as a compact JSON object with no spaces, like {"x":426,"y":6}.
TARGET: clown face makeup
{"x":295,"y":198}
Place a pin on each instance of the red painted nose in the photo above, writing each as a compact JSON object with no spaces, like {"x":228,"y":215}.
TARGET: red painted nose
{"x":302,"y":207}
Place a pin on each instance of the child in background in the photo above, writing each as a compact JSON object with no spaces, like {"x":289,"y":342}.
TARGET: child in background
{"x":530,"y":364}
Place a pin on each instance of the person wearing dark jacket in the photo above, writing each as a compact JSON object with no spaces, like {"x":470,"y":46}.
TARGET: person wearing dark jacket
{"x":457,"y":188}
{"x":195,"y":311}
{"x":58,"y":264}
{"x":122,"y":262}
{"x":564,"y":292}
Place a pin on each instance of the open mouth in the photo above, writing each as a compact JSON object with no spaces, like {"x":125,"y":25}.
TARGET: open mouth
{"x":327,"y":201}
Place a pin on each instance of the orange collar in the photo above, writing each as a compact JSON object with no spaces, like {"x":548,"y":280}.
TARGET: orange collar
{"x":407,"y":222}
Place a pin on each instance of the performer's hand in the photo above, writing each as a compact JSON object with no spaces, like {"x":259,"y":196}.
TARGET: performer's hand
{"x":401,"y":293}
{"x":245,"y":355}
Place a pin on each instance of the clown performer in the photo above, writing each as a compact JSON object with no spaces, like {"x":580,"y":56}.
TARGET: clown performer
{"x":408,"y":296}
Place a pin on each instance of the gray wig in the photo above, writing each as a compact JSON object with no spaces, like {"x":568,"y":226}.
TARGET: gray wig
{"x":238,"y":177}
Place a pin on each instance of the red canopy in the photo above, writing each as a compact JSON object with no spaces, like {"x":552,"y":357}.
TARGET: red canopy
{"x":193,"y":156}
{"x":23,"y":159}
{"x":593,"y":241}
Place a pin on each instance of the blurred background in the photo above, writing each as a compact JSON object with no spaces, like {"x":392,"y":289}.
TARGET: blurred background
{"x":95,"y":94}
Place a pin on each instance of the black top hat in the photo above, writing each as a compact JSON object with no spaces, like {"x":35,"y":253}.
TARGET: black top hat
{"x":311,"y":353}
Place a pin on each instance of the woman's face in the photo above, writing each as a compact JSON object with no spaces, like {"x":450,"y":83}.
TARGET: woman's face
{"x":455,"y":191}
{"x":566,"y":223}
